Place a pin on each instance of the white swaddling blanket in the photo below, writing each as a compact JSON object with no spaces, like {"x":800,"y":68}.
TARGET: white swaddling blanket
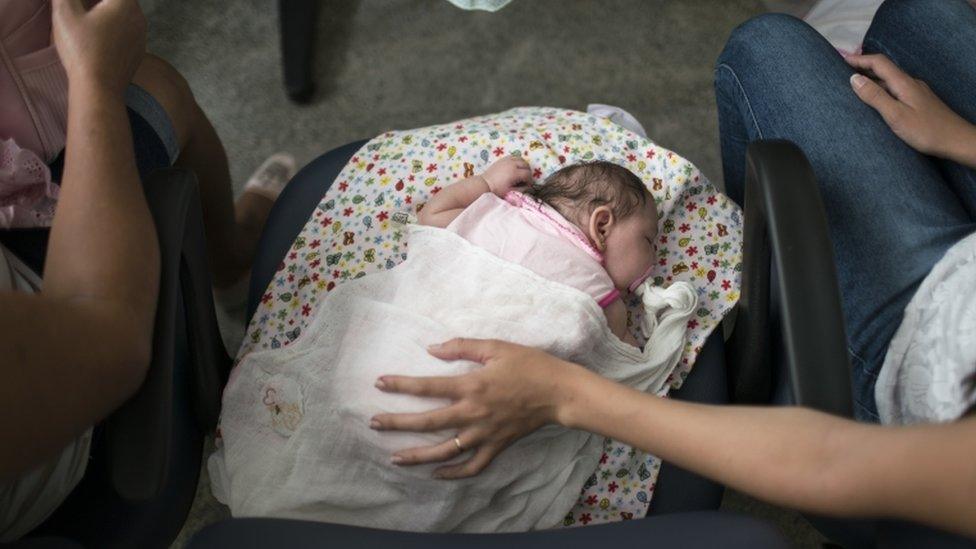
{"x":294,"y":426}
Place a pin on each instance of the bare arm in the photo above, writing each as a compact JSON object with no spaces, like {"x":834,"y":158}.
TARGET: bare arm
{"x":790,"y":456}
{"x":444,"y":206}
{"x":794,"y":457}
{"x":962,"y":147}
{"x":77,"y":350}
{"x":502,"y":176}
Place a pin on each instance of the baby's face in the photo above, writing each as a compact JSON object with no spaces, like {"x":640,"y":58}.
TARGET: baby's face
{"x":630,"y":246}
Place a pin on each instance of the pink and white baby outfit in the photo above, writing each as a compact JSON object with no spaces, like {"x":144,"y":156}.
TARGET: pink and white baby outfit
{"x":534,"y":235}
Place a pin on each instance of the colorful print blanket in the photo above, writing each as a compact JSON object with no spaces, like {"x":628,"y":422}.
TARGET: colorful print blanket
{"x":354,"y":231}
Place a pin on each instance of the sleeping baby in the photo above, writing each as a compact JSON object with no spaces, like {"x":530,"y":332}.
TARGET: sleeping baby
{"x":591,"y":226}
{"x":492,"y":257}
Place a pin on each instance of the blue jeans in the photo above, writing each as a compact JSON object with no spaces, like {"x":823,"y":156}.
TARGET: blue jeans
{"x":892,"y":212}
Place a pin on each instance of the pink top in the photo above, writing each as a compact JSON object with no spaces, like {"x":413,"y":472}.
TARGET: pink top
{"x":27,"y":195}
{"x":33,"y":83}
{"x":523,"y":230}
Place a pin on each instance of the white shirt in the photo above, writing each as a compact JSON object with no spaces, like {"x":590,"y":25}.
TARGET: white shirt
{"x":929,"y":372}
{"x":26,"y":501}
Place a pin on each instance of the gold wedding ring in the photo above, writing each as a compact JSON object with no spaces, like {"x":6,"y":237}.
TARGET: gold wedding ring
{"x":457,"y":442}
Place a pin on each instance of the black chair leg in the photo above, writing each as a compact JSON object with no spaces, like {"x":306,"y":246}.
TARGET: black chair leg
{"x":297,"y":25}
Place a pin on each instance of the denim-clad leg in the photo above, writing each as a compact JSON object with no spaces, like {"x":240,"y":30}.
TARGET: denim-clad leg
{"x":890,"y":212}
{"x":935,"y":41}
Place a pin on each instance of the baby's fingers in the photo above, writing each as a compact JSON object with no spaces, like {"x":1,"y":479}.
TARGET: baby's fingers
{"x":519,"y":162}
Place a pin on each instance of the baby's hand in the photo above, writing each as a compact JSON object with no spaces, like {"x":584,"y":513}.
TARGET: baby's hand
{"x":506,"y":174}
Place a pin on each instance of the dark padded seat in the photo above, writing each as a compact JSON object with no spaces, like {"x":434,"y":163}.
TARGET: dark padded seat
{"x":686,"y":530}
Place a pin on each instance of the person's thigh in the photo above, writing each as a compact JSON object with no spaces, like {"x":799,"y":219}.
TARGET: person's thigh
{"x":935,"y":41}
{"x":890,"y":213}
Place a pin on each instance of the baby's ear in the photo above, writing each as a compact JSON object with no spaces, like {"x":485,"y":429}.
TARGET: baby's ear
{"x":601,"y":223}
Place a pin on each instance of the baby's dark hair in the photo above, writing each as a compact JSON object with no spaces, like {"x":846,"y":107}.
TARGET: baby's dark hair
{"x":580,"y":188}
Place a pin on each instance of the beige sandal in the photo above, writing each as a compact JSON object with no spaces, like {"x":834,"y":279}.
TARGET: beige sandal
{"x":272,"y":176}
{"x":268,"y":180}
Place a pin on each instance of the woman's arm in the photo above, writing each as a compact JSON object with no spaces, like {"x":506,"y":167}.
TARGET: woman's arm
{"x":962,"y":148}
{"x":504,"y":175}
{"x":913,"y":111}
{"x":795,"y":457}
{"x":75,"y":351}
{"x":790,"y":456}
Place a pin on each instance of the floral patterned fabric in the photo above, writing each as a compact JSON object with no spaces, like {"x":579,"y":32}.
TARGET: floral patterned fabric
{"x":357,"y":229}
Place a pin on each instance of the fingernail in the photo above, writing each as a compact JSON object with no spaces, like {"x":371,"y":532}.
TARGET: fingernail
{"x":380,"y":383}
{"x":435,"y":347}
{"x":373,"y":424}
{"x":858,"y":80}
{"x":396,"y":460}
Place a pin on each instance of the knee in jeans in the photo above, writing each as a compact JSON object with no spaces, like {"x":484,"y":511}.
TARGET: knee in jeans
{"x":913,"y":15}
{"x":769,"y":32}
{"x":171,"y":90}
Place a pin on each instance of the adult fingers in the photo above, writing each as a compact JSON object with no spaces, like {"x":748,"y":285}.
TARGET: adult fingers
{"x":445,"y":386}
{"x":434,"y":420}
{"x":884,"y":69}
{"x":872,"y":94}
{"x":435,"y":453}
{"x":884,"y":85}
{"x":426,"y":454}
{"x":460,"y":348}
{"x":877,"y":64}
{"x":471,"y":467}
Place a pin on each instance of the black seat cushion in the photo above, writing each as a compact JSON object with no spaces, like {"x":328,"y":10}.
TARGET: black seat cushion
{"x":686,"y":530}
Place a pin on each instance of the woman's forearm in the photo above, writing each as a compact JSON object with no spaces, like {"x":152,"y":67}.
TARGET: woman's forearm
{"x":103,"y":241}
{"x":962,"y":147}
{"x":793,"y":456}
{"x":77,"y":350}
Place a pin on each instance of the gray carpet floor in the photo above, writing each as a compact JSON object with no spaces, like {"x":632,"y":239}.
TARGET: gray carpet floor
{"x":384,"y":65}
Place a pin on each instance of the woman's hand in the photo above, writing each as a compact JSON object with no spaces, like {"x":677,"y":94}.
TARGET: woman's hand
{"x":518,"y":390}
{"x":506,"y":174}
{"x":912,"y":110}
{"x":102,"y":46}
